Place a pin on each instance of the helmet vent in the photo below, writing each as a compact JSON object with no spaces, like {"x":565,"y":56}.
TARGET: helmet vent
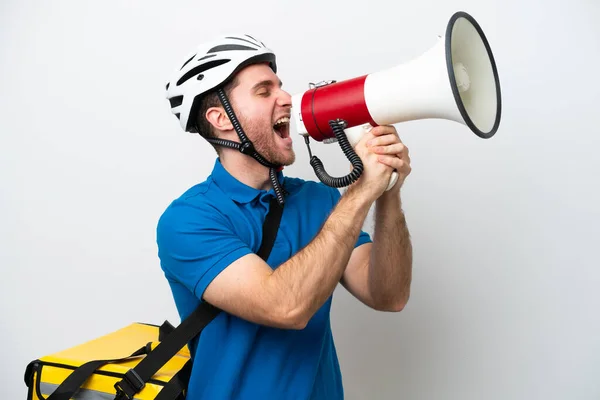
{"x":230,"y":47}
{"x":199,"y":69}
{"x":185,"y":63}
{"x":176,"y":101}
{"x":205,"y":57}
{"x":243,"y":40}
{"x":257,"y":41}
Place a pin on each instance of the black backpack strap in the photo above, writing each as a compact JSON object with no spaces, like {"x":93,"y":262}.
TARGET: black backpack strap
{"x":67,"y":389}
{"x":270,"y":228}
{"x":135,"y":379}
{"x":177,"y":386}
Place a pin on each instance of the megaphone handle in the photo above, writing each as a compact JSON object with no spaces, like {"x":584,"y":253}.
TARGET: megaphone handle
{"x":354,"y":135}
{"x":393,"y":180}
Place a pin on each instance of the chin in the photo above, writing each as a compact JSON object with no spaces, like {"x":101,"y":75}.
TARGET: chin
{"x":291,"y":158}
{"x":287,"y":161}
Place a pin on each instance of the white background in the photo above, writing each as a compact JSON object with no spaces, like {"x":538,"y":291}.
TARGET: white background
{"x":506,"y":272}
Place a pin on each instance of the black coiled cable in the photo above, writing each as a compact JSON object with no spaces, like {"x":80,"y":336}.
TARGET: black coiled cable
{"x":338,"y":129}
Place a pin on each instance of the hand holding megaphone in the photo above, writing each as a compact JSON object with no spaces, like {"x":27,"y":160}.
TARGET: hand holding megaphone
{"x":455,"y":80}
{"x":355,"y":134}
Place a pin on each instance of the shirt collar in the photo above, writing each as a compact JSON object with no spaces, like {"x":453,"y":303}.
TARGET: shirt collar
{"x":238,"y":191}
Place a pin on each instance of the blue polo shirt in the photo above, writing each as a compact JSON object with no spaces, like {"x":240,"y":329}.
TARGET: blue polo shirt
{"x":203,"y":231}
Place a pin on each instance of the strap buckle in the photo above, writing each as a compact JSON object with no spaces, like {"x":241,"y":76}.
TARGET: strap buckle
{"x":246,"y":147}
{"x":130,"y":385}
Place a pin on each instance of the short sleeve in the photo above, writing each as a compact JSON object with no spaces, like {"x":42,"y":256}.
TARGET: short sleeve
{"x":363,"y":237}
{"x":195,"y":244}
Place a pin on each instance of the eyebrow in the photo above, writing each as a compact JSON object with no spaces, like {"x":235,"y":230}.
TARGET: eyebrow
{"x":265,"y":83}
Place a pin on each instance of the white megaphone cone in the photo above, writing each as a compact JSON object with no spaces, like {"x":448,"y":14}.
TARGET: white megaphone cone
{"x":456,"y":80}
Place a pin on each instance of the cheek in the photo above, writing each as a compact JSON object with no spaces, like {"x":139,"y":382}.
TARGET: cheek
{"x":253,"y":127}
{"x":255,"y":117}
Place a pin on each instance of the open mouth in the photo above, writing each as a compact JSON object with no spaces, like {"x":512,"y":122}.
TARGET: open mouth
{"x":282,"y":127}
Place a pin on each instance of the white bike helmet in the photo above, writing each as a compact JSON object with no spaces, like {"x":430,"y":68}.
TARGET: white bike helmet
{"x":212,"y":65}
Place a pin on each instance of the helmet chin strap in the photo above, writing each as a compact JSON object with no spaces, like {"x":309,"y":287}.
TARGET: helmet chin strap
{"x":246,"y":147}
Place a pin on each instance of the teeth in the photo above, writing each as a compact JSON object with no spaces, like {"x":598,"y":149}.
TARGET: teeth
{"x":281,"y":121}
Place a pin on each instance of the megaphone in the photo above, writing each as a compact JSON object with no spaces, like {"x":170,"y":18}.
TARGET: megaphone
{"x":456,"y":80}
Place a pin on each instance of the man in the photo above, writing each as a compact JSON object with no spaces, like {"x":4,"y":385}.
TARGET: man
{"x":273,"y":340}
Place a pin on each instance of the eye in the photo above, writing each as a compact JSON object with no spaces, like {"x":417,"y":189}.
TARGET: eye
{"x":263,"y":93}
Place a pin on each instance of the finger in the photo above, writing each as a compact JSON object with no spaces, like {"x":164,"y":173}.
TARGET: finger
{"x":365,"y":139}
{"x":383,"y":130}
{"x":395,"y":163}
{"x":383,"y":140}
{"x":397,"y":149}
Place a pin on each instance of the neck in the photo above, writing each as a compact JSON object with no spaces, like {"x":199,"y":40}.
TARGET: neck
{"x":246,"y":169}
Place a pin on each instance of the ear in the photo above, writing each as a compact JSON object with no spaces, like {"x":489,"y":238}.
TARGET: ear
{"x":219,"y":119}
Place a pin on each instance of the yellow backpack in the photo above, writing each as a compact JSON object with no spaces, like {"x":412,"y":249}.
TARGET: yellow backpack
{"x":139,"y":361}
{"x":121,"y":351}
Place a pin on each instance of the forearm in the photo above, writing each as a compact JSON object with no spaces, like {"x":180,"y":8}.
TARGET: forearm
{"x":306,"y":280}
{"x":390,"y":268}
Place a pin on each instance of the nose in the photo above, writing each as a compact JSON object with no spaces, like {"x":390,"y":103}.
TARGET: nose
{"x":284,"y":99}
